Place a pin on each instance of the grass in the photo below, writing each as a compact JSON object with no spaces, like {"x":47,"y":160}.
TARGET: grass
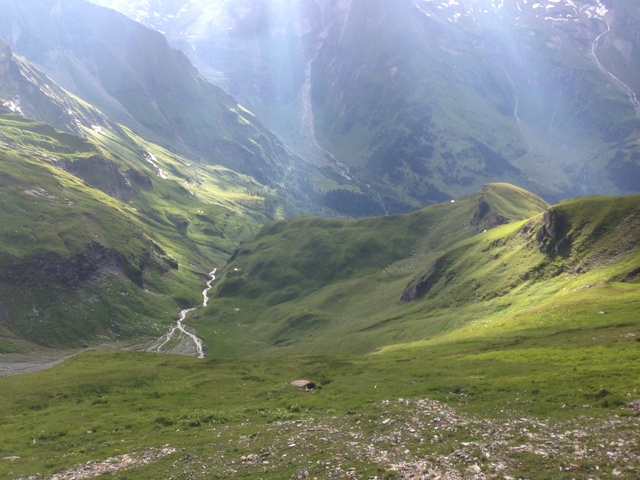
{"x":114,"y":230}
{"x":517,"y":327}
{"x":532,"y":324}
{"x":101,"y":404}
{"x":303,"y":280}
{"x":328,"y":286}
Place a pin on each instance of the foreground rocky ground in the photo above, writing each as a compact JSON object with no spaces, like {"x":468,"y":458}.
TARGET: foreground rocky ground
{"x":397,"y":439}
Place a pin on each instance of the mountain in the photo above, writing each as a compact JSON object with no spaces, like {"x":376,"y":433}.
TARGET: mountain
{"x":195,"y":210}
{"x":417,"y":102}
{"x":311,"y":285}
{"x":99,"y":247}
{"x":520,"y":357}
{"x":100,"y":214}
{"x":184,"y":212}
{"x":135,"y":78}
{"x":26,"y":90}
{"x":490,"y":335}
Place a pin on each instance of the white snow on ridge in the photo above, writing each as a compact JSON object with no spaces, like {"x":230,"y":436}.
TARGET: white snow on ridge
{"x":13,"y":106}
{"x":550,"y":10}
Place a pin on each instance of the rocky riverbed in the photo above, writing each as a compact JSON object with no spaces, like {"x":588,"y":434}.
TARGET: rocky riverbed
{"x":17,"y":364}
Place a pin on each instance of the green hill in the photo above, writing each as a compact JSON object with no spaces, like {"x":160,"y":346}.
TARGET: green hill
{"x":326,"y":286}
{"x":514,"y":354}
{"x":309,"y":284}
{"x":100,"y":247}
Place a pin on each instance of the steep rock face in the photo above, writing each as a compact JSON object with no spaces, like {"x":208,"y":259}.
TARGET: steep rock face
{"x":551,"y":234}
{"x":27,"y":91}
{"x":485,"y":217}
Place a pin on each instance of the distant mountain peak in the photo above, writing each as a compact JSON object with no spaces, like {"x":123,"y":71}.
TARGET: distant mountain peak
{"x":484,"y":10}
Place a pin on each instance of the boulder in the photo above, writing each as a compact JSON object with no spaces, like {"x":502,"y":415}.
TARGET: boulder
{"x":303,"y":384}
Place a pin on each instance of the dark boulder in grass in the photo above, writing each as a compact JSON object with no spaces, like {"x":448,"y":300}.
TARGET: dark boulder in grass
{"x":303,"y":385}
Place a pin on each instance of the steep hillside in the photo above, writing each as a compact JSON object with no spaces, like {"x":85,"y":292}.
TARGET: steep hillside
{"x":417,"y":101}
{"x":312,"y":285}
{"x":308,"y":283}
{"x":582,"y":241}
{"x":189,"y":213}
{"x":100,"y":247}
{"x":27,"y":91}
{"x":135,"y":78}
{"x":520,"y":361}
{"x":441,"y":100}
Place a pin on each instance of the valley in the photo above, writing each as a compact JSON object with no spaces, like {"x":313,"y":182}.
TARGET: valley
{"x":310,"y":239}
{"x":451,"y":366}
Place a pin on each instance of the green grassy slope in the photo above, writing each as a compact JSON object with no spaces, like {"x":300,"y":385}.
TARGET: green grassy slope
{"x":104,"y":240}
{"x":315,"y":284}
{"x":151,"y":220}
{"x":569,"y":274}
{"x":132,"y":75}
{"x":213,"y":414}
{"x":528,"y":334}
{"x":311,"y":285}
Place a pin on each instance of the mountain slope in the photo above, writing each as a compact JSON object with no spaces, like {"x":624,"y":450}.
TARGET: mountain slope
{"x":547,"y":368}
{"x":312,"y":285}
{"x":59,"y":236}
{"x":98,"y":248}
{"x":189,"y":213}
{"x":448,"y":104}
{"x":308,"y":277}
{"x":135,"y":78}
{"x":418,"y":101}
{"x":27,"y":91}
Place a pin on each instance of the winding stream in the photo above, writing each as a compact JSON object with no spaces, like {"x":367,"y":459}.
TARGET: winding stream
{"x":179,"y":333}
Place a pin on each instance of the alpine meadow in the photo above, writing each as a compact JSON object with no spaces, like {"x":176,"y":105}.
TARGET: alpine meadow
{"x":319,"y":239}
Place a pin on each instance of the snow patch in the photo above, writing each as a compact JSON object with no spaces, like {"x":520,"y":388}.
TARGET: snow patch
{"x":12,"y":106}
{"x":153,"y":161}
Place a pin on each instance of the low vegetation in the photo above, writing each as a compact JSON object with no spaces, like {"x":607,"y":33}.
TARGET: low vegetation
{"x":539,"y":406}
{"x":514,"y":358}
{"x":491,"y":336}
{"x":104,"y":239}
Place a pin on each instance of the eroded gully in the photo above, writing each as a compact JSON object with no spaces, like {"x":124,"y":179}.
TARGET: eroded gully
{"x":633,"y":98}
